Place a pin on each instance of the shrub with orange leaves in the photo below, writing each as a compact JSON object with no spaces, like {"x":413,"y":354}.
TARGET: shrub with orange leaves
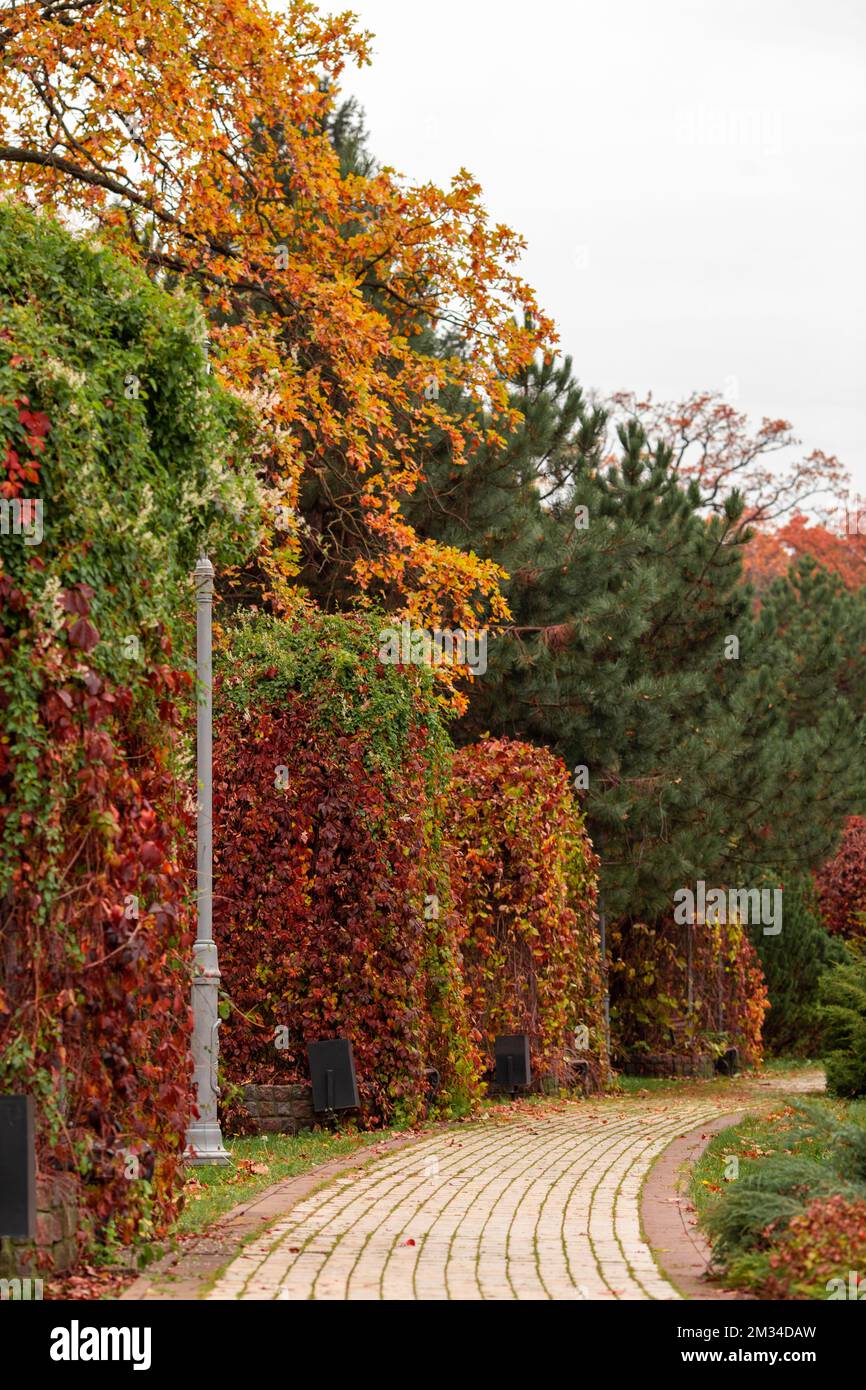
{"x":819,"y":1251}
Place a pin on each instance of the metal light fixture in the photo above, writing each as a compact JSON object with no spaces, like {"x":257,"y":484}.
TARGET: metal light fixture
{"x":513,"y":1067}
{"x":729,"y":1062}
{"x":17,"y":1167}
{"x":332,"y":1068}
{"x":204,"y":1141}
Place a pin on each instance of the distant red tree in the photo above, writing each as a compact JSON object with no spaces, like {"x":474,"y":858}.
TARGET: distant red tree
{"x":770,"y":554}
{"x":716,"y":446}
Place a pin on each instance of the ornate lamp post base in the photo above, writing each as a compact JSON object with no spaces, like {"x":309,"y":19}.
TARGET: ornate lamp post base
{"x":204,"y":1141}
{"x":204,"y":1144}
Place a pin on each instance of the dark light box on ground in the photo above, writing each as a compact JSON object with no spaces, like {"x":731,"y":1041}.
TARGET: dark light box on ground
{"x":17,"y":1166}
{"x":332,"y":1069}
{"x":512,"y":1060}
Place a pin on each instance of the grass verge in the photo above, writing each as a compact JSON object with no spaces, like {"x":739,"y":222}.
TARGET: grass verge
{"x":257,"y":1163}
{"x":782,"y":1198}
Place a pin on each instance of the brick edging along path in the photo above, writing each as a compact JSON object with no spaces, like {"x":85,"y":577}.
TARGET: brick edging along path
{"x":189,"y":1272}
{"x":533,"y":1202}
{"x":681,"y":1250}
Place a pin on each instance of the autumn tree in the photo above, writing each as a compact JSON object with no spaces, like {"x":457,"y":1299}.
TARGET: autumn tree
{"x":715,"y":445}
{"x":198,"y":138}
{"x":772,"y":553}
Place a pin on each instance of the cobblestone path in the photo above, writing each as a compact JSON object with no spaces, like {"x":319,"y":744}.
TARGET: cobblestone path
{"x":540,"y":1205}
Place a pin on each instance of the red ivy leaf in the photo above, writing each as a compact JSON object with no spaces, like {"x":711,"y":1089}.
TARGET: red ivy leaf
{"x":83,"y":635}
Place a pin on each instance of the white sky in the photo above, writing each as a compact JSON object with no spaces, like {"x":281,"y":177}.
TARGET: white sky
{"x":689,"y":178}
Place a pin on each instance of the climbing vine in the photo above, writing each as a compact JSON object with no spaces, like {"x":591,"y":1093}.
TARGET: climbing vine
{"x":333,"y":915}
{"x":118,"y":456}
{"x":527,"y":887}
{"x":687,"y":990}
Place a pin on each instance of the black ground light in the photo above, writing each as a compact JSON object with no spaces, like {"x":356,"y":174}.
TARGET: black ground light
{"x":332,"y":1068}
{"x":729,"y":1062}
{"x":17,"y":1167}
{"x":512,"y":1061}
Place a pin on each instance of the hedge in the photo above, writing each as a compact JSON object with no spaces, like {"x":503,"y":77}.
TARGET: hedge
{"x":333,"y":914}
{"x":653,"y":1010}
{"x":111,"y":422}
{"x":841,"y":884}
{"x":525,"y":875}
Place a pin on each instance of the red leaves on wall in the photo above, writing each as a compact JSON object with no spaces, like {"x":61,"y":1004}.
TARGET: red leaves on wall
{"x":26,"y":441}
{"x":527,"y":889}
{"x":319,"y":913}
{"x":93,"y":977}
{"x":655,"y":1012}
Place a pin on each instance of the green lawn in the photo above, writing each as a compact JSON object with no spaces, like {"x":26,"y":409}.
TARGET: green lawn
{"x":756,"y":1137}
{"x":680,"y":1085}
{"x":257,"y":1162}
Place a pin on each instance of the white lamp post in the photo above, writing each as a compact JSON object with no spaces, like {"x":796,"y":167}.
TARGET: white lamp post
{"x":204,"y":1141}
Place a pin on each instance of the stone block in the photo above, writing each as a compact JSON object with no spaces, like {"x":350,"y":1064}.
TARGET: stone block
{"x":49,"y":1228}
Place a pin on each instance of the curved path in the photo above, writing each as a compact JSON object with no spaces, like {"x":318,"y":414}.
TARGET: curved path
{"x":540,"y":1202}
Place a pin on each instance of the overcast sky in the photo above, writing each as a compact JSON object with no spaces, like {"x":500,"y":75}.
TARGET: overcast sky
{"x":688,"y":174}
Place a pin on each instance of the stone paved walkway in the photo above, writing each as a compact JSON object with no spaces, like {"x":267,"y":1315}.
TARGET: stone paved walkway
{"x":542,"y":1204}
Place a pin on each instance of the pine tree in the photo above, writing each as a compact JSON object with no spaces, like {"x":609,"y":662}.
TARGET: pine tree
{"x":621,"y":606}
{"x":494,"y":503}
{"x":793,"y":962}
{"x":803,"y":730}
{"x":711,"y":742}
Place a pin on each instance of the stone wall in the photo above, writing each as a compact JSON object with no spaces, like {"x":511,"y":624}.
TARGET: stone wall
{"x":55,"y":1248}
{"x":669,"y":1064}
{"x":280,"y":1109}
